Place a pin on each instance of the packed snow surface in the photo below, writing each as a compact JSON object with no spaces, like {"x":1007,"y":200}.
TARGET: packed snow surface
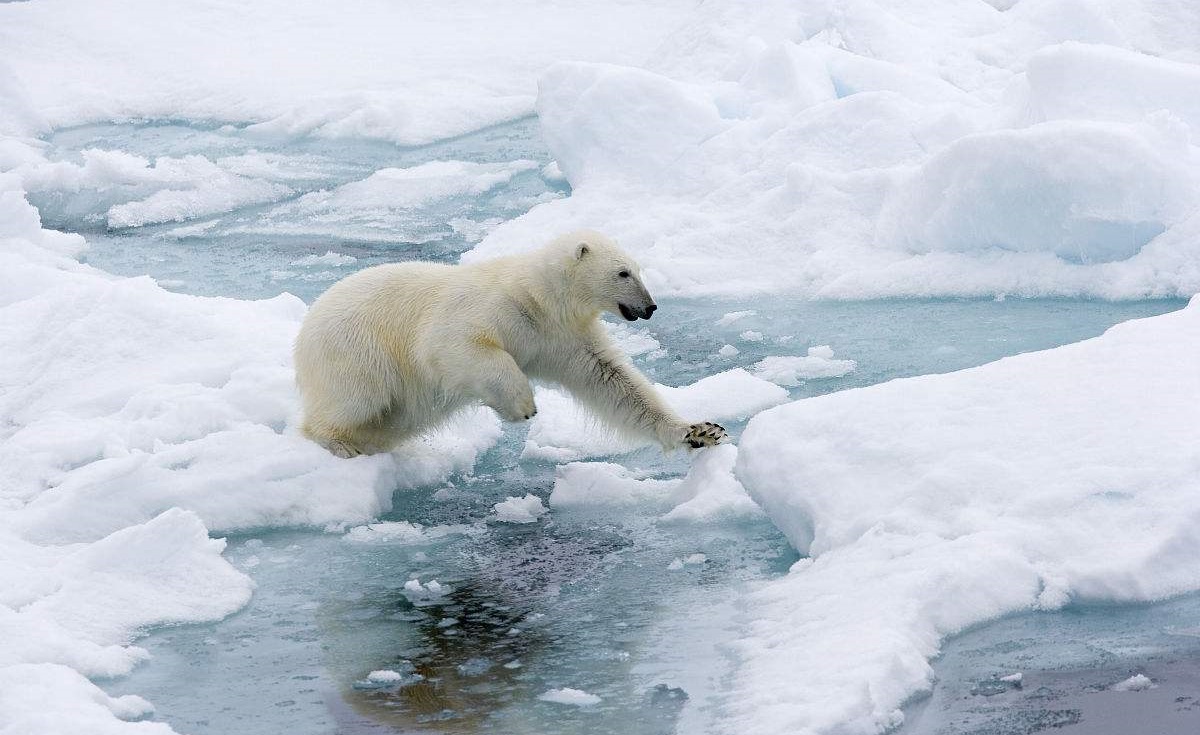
{"x":407,"y":73}
{"x":866,"y":148}
{"x":932,"y":503}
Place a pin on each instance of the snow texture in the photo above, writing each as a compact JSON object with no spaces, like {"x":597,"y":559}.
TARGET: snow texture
{"x":934,"y":503}
{"x":409,"y":74}
{"x":913,"y":148}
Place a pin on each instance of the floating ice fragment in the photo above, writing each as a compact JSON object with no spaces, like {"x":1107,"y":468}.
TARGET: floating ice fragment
{"x":792,"y":370}
{"x":419,"y":594}
{"x":385,"y":676}
{"x":1013,"y":678}
{"x":403,"y":533}
{"x":751,"y":336}
{"x":732,"y":317}
{"x":728,"y":351}
{"x":1135,"y":683}
{"x":552,"y":173}
{"x":525,"y":509}
{"x":567,"y":695}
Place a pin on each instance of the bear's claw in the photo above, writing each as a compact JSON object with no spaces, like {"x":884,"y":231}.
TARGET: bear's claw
{"x":705,"y":434}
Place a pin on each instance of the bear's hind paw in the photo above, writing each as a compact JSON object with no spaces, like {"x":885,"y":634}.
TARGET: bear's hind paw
{"x":705,"y":434}
{"x":339,"y":448}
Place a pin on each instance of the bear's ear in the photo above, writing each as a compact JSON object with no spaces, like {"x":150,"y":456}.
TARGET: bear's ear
{"x":581,"y":250}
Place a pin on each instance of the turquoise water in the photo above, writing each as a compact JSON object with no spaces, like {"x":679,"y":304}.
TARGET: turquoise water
{"x":580,"y":600}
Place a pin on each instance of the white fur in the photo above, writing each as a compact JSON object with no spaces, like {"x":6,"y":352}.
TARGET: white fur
{"x":392,"y":350}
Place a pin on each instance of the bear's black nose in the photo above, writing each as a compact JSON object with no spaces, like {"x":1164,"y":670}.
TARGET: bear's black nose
{"x":650,"y":310}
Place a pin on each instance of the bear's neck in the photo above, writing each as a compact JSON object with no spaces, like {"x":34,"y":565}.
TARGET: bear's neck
{"x":547,"y":297}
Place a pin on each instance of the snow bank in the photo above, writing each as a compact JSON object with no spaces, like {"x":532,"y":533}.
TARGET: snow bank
{"x":868,"y":149}
{"x":934,"y":503}
{"x":564,"y":430}
{"x":135,"y":421}
{"x":409,"y":74}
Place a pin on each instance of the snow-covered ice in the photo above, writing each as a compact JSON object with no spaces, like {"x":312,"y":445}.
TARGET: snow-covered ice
{"x":1022,"y":484}
{"x":885,"y":149}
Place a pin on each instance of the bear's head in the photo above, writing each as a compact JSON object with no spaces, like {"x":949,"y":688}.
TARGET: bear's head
{"x":605,"y":278}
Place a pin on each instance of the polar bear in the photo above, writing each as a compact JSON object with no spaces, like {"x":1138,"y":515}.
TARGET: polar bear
{"x":391,"y":351}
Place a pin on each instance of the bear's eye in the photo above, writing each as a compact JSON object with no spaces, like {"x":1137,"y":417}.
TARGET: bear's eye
{"x":624,"y":274}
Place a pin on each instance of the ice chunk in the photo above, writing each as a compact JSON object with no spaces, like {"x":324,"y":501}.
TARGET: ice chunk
{"x":567,"y":695}
{"x":525,"y":509}
{"x":601,"y":484}
{"x":385,"y":676}
{"x":1005,"y":487}
{"x":1135,"y":683}
{"x":818,"y":363}
{"x":1080,"y":81}
{"x":1078,"y":190}
{"x":658,"y":120}
{"x":733,"y":316}
{"x":728,"y":351}
{"x":403,"y":533}
{"x":710,"y":491}
{"x":751,"y":336}
{"x":424,"y":594}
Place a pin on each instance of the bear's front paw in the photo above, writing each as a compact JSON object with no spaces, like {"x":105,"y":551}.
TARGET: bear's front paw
{"x":521,"y":409}
{"x":705,"y":434}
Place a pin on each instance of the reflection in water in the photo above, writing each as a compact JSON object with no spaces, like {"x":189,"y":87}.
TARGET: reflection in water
{"x":467,"y":654}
